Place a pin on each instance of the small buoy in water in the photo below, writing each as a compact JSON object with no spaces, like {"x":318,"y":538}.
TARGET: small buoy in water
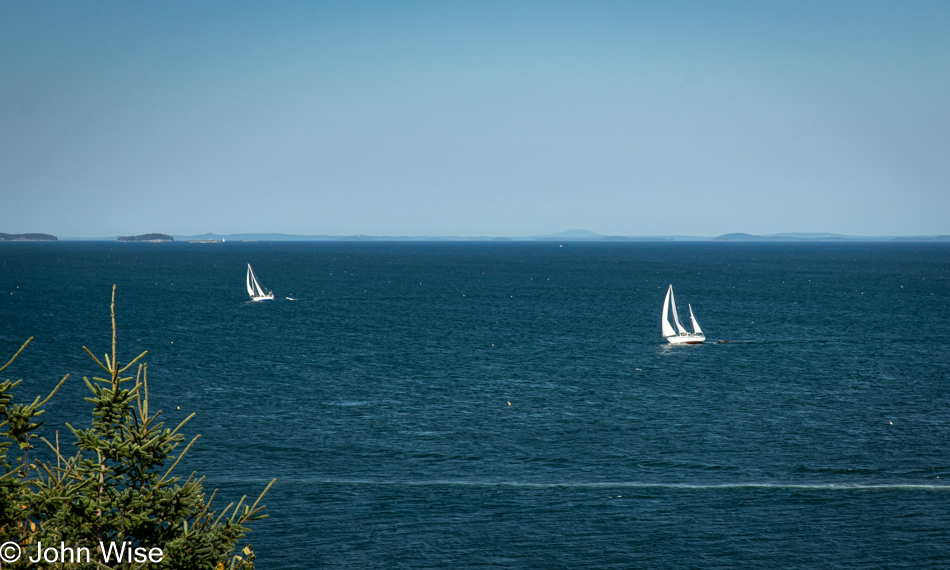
{"x":179,"y":407}
{"x":890,"y":423}
{"x":509,"y":403}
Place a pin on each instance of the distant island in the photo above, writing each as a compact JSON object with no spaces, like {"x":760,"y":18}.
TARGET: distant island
{"x":800,"y":237}
{"x":562,"y":237}
{"x":923,"y":238}
{"x":151,"y":238}
{"x":574,"y":236}
{"x":27,"y":237}
{"x":784,"y":237}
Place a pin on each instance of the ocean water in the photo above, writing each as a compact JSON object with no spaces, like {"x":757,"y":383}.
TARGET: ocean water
{"x":474,"y":405}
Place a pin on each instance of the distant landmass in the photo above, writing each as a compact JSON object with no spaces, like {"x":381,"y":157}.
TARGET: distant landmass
{"x":570,"y":235}
{"x":27,"y":237}
{"x":784,"y":237}
{"x":567,"y":236}
{"x":803,"y":237}
{"x":151,"y":238}
{"x":585,"y":235}
{"x":922,"y":238}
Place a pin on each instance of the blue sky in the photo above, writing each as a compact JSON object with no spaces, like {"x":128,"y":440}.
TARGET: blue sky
{"x":475,"y":118}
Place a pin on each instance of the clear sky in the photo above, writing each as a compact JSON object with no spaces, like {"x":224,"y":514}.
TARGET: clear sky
{"x":475,"y":118}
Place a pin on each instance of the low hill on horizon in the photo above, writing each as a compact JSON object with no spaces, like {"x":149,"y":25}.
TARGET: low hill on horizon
{"x":27,"y":237}
{"x":823,"y":237}
{"x":576,"y":235}
{"x":148,"y":238}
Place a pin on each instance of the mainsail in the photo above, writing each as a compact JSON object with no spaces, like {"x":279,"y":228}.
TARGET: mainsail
{"x":665,"y":321}
{"x":676,"y":317}
{"x":253,"y":287}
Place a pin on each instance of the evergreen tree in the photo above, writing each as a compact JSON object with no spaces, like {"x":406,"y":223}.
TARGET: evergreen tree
{"x":119,"y":486}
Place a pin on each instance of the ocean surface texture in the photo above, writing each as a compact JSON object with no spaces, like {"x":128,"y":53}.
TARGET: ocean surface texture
{"x":456,"y":405}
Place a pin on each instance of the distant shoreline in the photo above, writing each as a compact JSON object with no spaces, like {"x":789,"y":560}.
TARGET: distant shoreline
{"x":568,"y":236}
{"x":147,"y":238}
{"x":572,"y":236}
{"x":27,"y":237}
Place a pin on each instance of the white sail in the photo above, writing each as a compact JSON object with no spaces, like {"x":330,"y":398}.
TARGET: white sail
{"x":665,"y":320}
{"x":254,"y":288}
{"x":676,"y":317}
{"x":258,"y":292}
{"x":696,"y":329}
{"x":681,"y":337}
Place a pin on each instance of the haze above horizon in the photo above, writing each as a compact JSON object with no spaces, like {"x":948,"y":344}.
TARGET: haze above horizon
{"x":475,"y":118}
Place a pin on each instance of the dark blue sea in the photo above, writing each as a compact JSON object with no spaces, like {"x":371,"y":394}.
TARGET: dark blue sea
{"x":512,"y":405}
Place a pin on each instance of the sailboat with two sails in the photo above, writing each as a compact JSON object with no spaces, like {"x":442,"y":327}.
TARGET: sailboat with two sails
{"x":680,"y":335}
{"x":254,"y":288}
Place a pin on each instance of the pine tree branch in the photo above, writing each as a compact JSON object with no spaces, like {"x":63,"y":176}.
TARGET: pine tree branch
{"x":134,"y":360}
{"x":217,"y":521}
{"x":115,"y":372}
{"x":264,"y":492}
{"x":89,"y":352}
{"x":17,"y":354}
{"x":183,"y":422}
{"x":69,"y":464}
{"x":235,"y":513}
{"x":56,"y":389}
{"x":180,"y":455}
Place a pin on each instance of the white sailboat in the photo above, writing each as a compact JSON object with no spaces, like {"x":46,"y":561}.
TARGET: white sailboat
{"x":254,"y":288}
{"x":679,"y":336}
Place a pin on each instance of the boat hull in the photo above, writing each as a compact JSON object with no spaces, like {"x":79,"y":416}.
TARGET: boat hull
{"x":687,"y":339}
{"x":264,"y":298}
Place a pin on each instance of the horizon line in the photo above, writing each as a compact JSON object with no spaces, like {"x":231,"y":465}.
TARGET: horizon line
{"x":569,"y":235}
